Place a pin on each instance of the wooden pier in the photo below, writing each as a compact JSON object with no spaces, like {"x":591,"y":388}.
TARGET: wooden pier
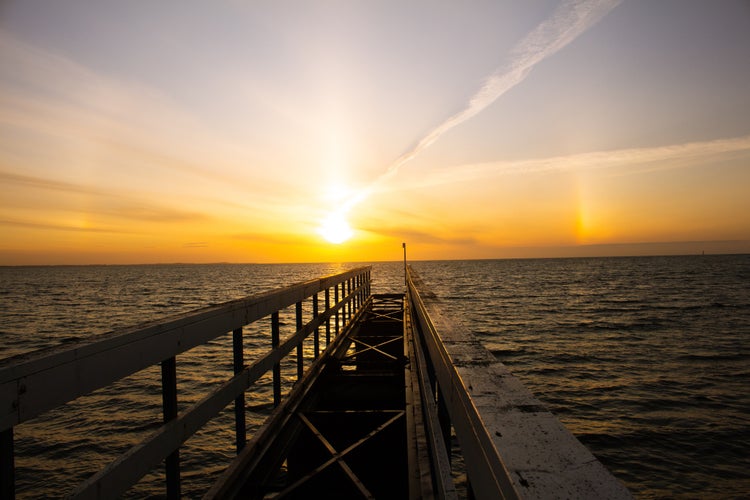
{"x":399,"y":403}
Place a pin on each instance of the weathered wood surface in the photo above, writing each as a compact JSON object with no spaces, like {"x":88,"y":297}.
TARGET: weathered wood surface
{"x":512,"y":445}
{"x":430,"y":452}
{"x":32,"y":384}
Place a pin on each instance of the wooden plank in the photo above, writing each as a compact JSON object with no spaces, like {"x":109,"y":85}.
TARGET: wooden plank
{"x":242,"y":312}
{"x":130,"y":467}
{"x":512,"y":444}
{"x":115,"y":479}
{"x":32,"y":384}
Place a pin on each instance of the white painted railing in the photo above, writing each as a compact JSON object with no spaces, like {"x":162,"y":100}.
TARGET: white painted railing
{"x":38,"y":382}
{"x":512,"y":446}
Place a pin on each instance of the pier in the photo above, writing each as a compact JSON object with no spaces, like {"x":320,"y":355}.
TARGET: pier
{"x":394,"y":400}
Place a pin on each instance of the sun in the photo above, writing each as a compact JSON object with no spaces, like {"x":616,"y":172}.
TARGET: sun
{"x":335,"y":229}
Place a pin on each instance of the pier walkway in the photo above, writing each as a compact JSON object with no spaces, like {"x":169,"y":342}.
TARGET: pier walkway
{"x":395,"y":401}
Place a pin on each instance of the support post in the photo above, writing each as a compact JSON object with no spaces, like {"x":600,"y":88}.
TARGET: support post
{"x":328,"y":319}
{"x":348,"y":284}
{"x":358,"y":300}
{"x":239,"y":402}
{"x":344,"y":306}
{"x":7,"y":465}
{"x":169,"y":410}
{"x":316,"y":334}
{"x":300,"y":359}
{"x":277,"y":365}
{"x":336,"y":303}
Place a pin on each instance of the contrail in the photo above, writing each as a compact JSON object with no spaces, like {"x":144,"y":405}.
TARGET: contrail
{"x":570,"y":19}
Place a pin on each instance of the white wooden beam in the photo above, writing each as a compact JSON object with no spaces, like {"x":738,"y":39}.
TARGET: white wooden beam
{"x":512,"y":445}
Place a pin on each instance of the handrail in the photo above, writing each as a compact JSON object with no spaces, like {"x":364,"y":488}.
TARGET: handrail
{"x":485,"y":469}
{"x":34,"y":383}
{"x":513,"y":447}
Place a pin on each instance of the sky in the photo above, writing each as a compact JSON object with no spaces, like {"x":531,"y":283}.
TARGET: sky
{"x":257,"y":131}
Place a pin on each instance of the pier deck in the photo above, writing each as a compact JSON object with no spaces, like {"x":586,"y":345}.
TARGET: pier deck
{"x":397,"y":397}
{"x":342,"y":433}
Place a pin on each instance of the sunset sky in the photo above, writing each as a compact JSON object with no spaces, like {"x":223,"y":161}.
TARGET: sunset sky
{"x":229,"y":131}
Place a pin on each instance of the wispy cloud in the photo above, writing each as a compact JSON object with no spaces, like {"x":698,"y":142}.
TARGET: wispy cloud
{"x":416,"y":236}
{"x":50,"y":100}
{"x":568,"y":22}
{"x":59,"y":227}
{"x":286,"y":238}
{"x":100,"y":201}
{"x":620,"y":162}
{"x":39,"y":183}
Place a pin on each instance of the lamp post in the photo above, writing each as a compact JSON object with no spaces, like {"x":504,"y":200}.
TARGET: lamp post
{"x":405,"y":280}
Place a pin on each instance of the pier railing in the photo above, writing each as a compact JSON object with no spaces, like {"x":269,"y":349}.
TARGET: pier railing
{"x":38,"y":382}
{"x":512,"y":446}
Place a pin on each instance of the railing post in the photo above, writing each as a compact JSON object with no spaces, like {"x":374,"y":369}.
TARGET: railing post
{"x":336,"y":303}
{"x":239,"y":403}
{"x":169,"y":410}
{"x":356,"y":296}
{"x":277,"y":365}
{"x":300,"y":359}
{"x":328,"y":319}
{"x":360,"y":282}
{"x":343,"y":304}
{"x":7,"y":465}
{"x":316,"y":334}
{"x":346,"y":289}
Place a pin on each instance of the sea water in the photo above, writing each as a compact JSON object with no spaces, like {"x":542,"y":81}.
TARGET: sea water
{"x":645,"y":359}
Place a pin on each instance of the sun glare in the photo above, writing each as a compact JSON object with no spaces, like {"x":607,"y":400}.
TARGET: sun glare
{"x":335,"y":228}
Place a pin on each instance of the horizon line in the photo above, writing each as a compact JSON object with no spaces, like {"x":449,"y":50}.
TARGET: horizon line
{"x":552,"y":250}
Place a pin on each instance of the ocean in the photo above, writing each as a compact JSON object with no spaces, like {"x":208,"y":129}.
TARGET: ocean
{"x":645,"y":359}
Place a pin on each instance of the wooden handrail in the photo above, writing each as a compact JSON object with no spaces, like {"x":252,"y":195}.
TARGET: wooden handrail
{"x":485,"y":469}
{"x":513,"y":447}
{"x":33,"y":383}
